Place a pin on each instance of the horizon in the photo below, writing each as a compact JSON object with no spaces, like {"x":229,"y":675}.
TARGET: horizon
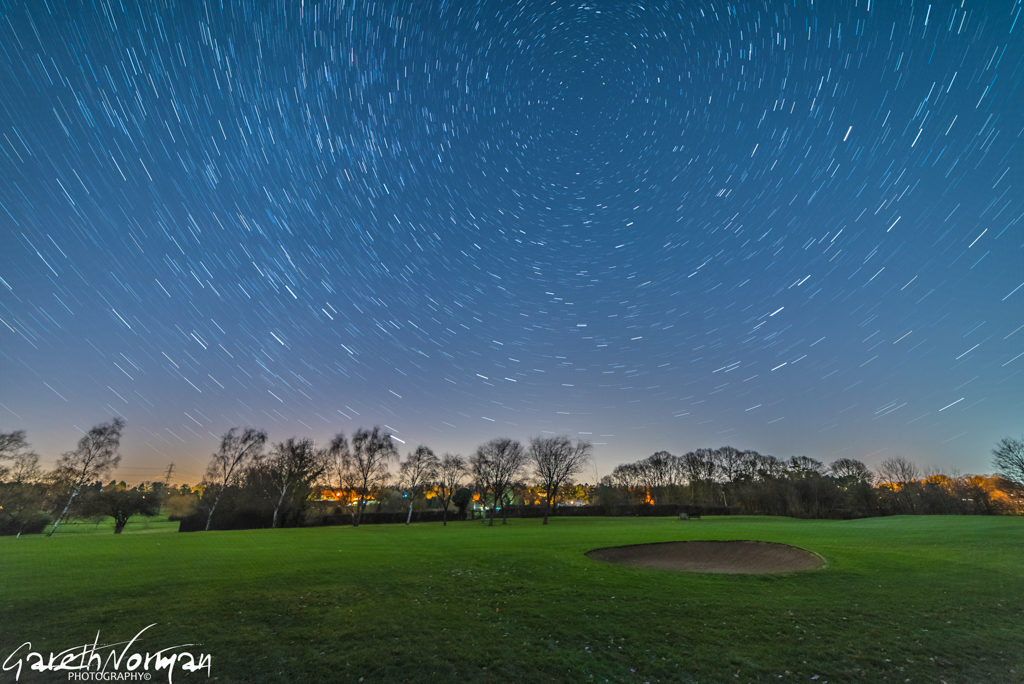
{"x":591,"y":474}
{"x":799,"y":232}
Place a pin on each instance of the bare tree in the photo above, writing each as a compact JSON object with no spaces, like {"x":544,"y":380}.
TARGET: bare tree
{"x":12,"y":445}
{"x":293,"y":466}
{"x":24,"y":468}
{"x":450,"y":472}
{"x":95,"y":456}
{"x":226,"y":467}
{"x":21,"y":494}
{"x":767,"y":467}
{"x":480,"y":469}
{"x":747,"y":469}
{"x":897,"y":471}
{"x":627,"y":475}
{"x":660,"y":469}
{"x":11,"y":442}
{"x":555,"y":460}
{"x":1009,"y":459}
{"x":338,"y":457}
{"x":364,"y":465}
{"x":804,"y":466}
{"x":899,"y":476}
{"x":496,"y":465}
{"x":649,"y":477}
{"x":699,"y":468}
{"x":418,"y":470}
{"x":850,"y":470}
{"x":641,"y":477}
{"x":728,"y":463}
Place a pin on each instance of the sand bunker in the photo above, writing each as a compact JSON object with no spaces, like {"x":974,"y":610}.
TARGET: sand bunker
{"x":730,"y":557}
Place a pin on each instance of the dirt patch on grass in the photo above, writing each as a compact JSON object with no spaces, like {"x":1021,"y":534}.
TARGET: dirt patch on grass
{"x":729,"y":557}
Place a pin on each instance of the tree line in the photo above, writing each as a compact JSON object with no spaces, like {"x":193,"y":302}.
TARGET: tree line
{"x":250,"y":482}
{"x":32,"y":500}
{"x":753,"y":483}
{"x":251,"y":486}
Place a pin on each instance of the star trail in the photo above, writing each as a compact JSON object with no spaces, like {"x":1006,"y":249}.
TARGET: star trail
{"x":793,"y":227}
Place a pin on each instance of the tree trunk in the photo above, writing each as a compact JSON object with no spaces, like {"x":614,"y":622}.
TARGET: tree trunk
{"x":280,"y":499}
{"x":119,"y":522}
{"x":359,"y":512}
{"x":444,"y":515}
{"x":547,"y":507}
{"x":60,"y":518}
{"x":209,"y":518}
{"x":408,"y":518}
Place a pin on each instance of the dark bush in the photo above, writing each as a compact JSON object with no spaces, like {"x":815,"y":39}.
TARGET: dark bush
{"x":29,"y":523}
{"x":241,"y":519}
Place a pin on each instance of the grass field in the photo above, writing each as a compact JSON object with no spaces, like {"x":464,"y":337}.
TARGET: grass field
{"x":921,"y":599}
{"x":104,"y":526}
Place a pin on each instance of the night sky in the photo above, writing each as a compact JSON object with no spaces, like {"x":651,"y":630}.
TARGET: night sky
{"x":795,"y":227}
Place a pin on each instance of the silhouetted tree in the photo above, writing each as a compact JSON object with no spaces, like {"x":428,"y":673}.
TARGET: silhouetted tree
{"x":658,"y":472}
{"x":462,"y":497}
{"x":699,"y":470}
{"x":95,"y":456}
{"x":850,"y":470}
{"x":24,"y":462}
{"x":120,"y":503}
{"x":555,"y":460}
{"x":338,"y":458}
{"x":610,"y":493}
{"x":496,"y":465}
{"x":363,"y":465}
{"x":853,"y":479}
{"x":760,"y":485}
{"x":897,"y":470}
{"x":728,"y":463}
{"x":746,"y":469}
{"x":768,"y":467}
{"x":228,"y":465}
{"x":22,"y":495}
{"x":450,"y":472}
{"x":418,"y":470}
{"x":628,"y":477}
{"x":804,"y":466}
{"x":1008,"y":459}
{"x":294,"y":465}
{"x":808,"y":491}
{"x":14,"y":449}
{"x":899,"y":477}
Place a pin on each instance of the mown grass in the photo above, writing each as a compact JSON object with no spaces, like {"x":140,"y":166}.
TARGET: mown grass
{"x":136,"y":525}
{"x":909,"y":598}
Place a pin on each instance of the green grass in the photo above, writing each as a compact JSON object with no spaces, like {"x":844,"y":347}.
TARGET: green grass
{"x":908,"y":598}
{"x":136,"y":524}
